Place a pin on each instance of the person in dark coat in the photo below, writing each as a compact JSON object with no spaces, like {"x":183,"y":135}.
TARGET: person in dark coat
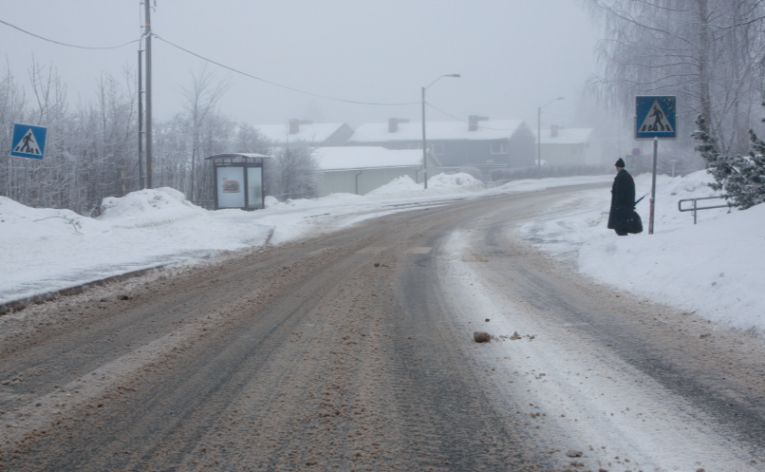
{"x":622,"y":200}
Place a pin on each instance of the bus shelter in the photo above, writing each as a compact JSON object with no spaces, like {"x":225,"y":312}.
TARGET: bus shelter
{"x":238,"y":180}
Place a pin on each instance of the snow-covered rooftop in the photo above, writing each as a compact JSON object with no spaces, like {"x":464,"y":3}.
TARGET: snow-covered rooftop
{"x":365,"y":157}
{"x":437,"y":130}
{"x":311,"y":133}
{"x":566,"y":136}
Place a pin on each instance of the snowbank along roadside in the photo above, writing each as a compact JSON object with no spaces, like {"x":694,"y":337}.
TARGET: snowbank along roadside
{"x":45,"y":250}
{"x":714,"y":269}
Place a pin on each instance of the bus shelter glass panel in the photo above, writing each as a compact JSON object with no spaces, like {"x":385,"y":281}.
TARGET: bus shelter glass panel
{"x":255,"y":187}
{"x":229,"y":183}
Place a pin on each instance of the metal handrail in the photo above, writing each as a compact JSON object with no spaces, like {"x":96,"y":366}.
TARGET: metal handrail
{"x":696,"y":208}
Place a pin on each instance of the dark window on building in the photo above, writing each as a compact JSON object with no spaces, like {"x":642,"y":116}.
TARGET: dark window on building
{"x":499,"y":148}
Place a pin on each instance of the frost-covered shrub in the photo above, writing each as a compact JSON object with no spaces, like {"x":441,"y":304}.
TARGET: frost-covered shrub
{"x":742,"y":178}
{"x":293,"y":173}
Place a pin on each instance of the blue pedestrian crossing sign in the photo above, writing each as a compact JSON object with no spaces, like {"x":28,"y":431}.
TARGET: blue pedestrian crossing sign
{"x":655,"y":117}
{"x":28,"y":141}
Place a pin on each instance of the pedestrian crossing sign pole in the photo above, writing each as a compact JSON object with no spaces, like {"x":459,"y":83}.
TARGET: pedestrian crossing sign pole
{"x":28,"y":141}
{"x":655,"y":118}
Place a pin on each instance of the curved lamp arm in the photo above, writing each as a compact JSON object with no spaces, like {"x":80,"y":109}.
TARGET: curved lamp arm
{"x":447,"y":75}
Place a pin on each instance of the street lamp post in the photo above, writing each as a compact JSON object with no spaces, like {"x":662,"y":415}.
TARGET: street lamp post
{"x":539,"y":136}
{"x":424,"y":141}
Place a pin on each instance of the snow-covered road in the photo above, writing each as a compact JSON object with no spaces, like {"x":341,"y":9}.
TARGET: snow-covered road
{"x":353,"y":349}
{"x":713,"y":268}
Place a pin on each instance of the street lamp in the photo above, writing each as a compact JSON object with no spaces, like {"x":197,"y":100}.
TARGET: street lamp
{"x":539,"y":136}
{"x":424,"y":141}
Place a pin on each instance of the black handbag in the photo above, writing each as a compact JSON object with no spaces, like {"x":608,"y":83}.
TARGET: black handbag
{"x":634,"y":223}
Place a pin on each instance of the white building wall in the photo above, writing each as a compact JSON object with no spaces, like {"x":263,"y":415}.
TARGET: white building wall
{"x":361,"y":169}
{"x":345,"y":181}
{"x":571,"y":154}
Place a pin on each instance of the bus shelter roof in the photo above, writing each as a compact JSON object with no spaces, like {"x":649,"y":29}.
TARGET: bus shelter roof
{"x":238,"y":156}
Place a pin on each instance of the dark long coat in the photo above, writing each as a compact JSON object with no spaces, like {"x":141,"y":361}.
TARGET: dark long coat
{"x":622,"y":201}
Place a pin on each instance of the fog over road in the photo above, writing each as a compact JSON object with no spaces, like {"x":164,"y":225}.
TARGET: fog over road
{"x":354,"y":351}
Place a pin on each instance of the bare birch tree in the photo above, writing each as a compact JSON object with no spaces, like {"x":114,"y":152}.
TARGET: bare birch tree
{"x":707,"y":53}
{"x":91,"y":150}
{"x":202,"y":99}
{"x":294,"y":173}
{"x":12,"y":110}
{"x":249,"y":139}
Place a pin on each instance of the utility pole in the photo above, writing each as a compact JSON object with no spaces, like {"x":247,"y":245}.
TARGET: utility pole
{"x":147,"y":32}
{"x":539,"y":135}
{"x":424,"y":141}
{"x":539,"y":143}
{"x":653,"y":184}
{"x":140,"y":120}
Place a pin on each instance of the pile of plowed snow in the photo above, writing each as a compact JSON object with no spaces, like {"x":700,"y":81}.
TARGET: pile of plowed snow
{"x":148,"y":208}
{"x":441,"y":184}
{"x":460,"y":181}
{"x":47,"y":249}
{"x":19,"y":224}
{"x":399,"y":185}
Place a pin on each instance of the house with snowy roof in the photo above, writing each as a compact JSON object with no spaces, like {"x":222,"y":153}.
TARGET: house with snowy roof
{"x":482,"y":143}
{"x":361,"y":169}
{"x":306,"y":132}
{"x":561,"y":146}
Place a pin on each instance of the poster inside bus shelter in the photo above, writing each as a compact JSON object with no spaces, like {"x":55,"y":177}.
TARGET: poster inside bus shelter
{"x":255,"y":187}
{"x":230,"y":186}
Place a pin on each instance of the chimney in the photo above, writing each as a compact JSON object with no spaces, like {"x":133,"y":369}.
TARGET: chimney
{"x":294,"y":126}
{"x":473,"y":122}
{"x":554,"y":131}
{"x":393,"y":123}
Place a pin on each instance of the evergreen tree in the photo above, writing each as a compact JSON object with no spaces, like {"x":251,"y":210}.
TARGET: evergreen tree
{"x":742,"y":178}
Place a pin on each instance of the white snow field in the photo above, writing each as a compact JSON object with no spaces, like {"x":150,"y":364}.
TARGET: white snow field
{"x":713,"y":268}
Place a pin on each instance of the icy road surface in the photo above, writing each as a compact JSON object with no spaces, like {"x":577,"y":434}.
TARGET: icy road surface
{"x":354,"y":351}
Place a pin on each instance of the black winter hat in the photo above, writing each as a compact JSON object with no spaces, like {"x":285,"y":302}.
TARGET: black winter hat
{"x":620,"y":163}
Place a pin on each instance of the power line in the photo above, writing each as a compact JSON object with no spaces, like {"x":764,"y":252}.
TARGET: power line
{"x":65,"y":44}
{"x":445,"y":113}
{"x":355,"y":102}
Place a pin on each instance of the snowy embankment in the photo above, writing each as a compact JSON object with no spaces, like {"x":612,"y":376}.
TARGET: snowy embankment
{"x":714,"y":268}
{"x":44,"y":250}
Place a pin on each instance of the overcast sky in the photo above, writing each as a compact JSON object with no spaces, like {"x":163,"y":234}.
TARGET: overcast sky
{"x":513,"y":55}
